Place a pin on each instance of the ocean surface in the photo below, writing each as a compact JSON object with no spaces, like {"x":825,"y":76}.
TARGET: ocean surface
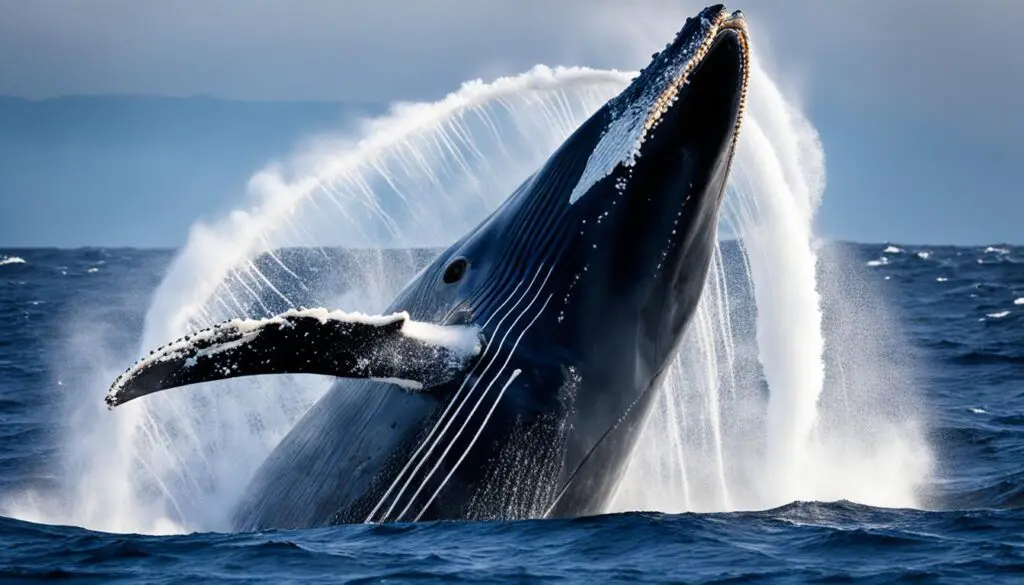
{"x":960,"y":308}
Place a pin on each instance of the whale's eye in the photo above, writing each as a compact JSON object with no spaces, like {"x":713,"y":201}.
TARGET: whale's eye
{"x":456,"y":270}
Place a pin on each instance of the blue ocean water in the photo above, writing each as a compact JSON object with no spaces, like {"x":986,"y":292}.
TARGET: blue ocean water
{"x":961,"y":308}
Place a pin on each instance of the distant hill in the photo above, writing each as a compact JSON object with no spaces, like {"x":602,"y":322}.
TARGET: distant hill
{"x":78,"y":166}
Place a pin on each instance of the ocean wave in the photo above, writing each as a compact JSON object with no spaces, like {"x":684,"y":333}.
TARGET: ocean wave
{"x":975,"y":427}
{"x":801,"y":542}
{"x":5,"y":260}
{"x":981,"y":438}
{"x":999,"y":493}
{"x":986,"y":358}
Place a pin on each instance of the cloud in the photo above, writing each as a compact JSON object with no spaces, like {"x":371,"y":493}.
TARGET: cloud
{"x":246,"y":47}
{"x":951,"y":59}
{"x":925,"y":71}
{"x":945,"y":56}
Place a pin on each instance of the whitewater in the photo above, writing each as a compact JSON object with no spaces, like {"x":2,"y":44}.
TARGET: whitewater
{"x":812,"y":410}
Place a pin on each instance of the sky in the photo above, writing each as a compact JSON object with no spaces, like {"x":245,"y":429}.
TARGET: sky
{"x":917,"y":101}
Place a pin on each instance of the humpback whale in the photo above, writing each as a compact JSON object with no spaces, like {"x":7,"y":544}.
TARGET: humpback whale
{"x":514,"y":374}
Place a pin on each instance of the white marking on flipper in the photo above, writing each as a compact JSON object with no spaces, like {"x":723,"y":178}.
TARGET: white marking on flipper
{"x":237,"y":334}
{"x":411,"y":385}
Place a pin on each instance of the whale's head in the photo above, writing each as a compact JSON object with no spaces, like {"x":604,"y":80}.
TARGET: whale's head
{"x":647,"y":201}
{"x":613,"y":234}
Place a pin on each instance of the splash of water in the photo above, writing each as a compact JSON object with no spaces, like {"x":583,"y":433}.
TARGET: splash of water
{"x":406,"y":180}
{"x":413,"y":178}
{"x":418,"y":176}
{"x":758,"y":425}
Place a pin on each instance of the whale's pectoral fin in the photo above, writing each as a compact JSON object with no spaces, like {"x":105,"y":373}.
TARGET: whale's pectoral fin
{"x":390,"y":348}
